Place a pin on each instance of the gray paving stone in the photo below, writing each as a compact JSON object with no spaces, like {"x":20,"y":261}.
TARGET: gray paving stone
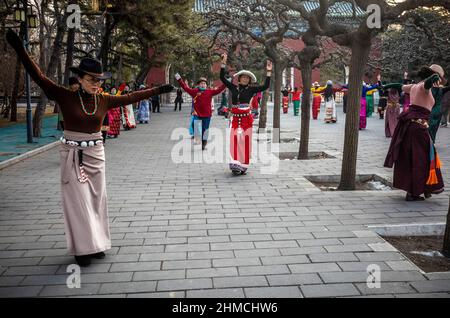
{"x":14,"y":292}
{"x":184,"y":284}
{"x":63,"y":290}
{"x":93,"y":268}
{"x":256,"y":253}
{"x":379,"y":256}
{"x":10,"y":280}
{"x":127,"y":287}
{"x":135,"y":267}
{"x":329,"y":290}
{"x":187,"y":248}
{"x":216,"y":293}
{"x":274,"y":260}
{"x":203,"y":263}
{"x":211,"y":239}
{"x":273,"y":292}
{"x":302,"y":250}
{"x":348,"y":248}
{"x":30,"y":270}
{"x":386,"y":288}
{"x":293,"y":279}
{"x":210,"y":255}
{"x":162,"y":256}
{"x":319,"y":242}
{"x":227,"y":262}
{"x":249,"y":281}
{"x":157,"y":295}
{"x":159,"y":275}
{"x":432,"y":286}
{"x":362,"y":266}
{"x":314,"y":268}
{"x":232,"y":246}
{"x":6,"y":262}
{"x":276,"y":244}
{"x":263,"y":270}
{"x":211,"y":272}
{"x":428,"y":295}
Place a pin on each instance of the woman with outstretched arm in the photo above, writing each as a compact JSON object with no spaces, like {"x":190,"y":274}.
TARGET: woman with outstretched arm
{"x":82,"y":155}
{"x":242,"y":120}
{"x":417,"y":168}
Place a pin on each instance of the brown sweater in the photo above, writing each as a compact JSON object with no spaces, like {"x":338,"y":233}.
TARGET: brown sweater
{"x":74,"y":117}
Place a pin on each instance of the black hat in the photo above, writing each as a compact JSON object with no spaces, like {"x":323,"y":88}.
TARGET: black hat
{"x":92,"y":67}
{"x":73,"y":80}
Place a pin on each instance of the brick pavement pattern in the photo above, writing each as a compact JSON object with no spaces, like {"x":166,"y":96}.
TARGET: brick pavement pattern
{"x":194,"y":230}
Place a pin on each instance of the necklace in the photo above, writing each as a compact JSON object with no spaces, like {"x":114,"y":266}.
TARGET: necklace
{"x":84,"y":108}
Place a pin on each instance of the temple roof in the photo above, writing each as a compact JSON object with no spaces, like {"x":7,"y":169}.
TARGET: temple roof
{"x":343,"y":10}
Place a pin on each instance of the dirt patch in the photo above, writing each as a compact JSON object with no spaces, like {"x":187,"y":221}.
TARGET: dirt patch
{"x":311,"y":156}
{"x":429,"y":261}
{"x":363,"y":183}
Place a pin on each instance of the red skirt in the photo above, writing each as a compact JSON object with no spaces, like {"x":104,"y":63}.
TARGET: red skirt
{"x":285,"y":104}
{"x":114,"y":121}
{"x":316,"y":106}
{"x":241,"y":139}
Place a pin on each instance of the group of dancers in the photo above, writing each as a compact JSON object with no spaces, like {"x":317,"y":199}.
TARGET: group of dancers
{"x":82,"y":155}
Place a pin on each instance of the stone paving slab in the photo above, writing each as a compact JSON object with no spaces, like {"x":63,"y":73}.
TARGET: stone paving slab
{"x":193,"y":230}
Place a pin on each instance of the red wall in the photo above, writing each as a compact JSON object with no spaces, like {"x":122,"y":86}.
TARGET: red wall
{"x":157,"y":75}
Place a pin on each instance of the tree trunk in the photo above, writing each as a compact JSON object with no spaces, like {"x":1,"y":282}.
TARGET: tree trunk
{"x":51,"y":69}
{"x":263,"y":112}
{"x":360,"y":53}
{"x":277,"y":102}
{"x":446,"y":248}
{"x":15,"y":91}
{"x":306,"y":111}
{"x":106,"y":41}
{"x":6,"y":110}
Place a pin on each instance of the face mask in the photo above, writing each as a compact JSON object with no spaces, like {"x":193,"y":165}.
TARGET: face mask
{"x":202,"y":89}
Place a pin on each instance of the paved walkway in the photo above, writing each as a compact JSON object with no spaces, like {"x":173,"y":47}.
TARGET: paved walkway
{"x":193,"y":230}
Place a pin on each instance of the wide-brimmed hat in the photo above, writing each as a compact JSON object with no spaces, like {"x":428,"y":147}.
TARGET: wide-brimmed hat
{"x":316,"y":84}
{"x":92,"y":67}
{"x":438,"y":70}
{"x":248,"y":73}
{"x":202,"y":79}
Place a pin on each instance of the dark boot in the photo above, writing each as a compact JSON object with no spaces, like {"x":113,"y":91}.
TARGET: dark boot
{"x":410,"y":197}
{"x":99,"y":255}
{"x":83,"y":260}
{"x":204,"y":142}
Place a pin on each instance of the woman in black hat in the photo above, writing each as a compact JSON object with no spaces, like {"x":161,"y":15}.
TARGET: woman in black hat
{"x":82,"y":153}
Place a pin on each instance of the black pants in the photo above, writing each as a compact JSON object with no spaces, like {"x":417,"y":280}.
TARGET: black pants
{"x":156,"y":105}
{"x":178,"y":102}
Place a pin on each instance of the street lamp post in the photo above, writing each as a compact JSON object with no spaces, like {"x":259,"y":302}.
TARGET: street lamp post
{"x":24,"y":15}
